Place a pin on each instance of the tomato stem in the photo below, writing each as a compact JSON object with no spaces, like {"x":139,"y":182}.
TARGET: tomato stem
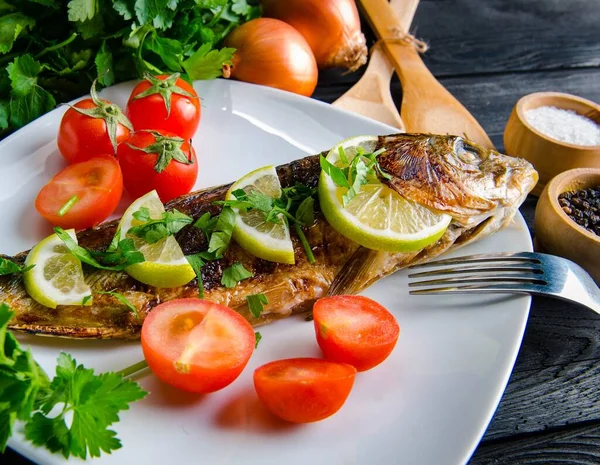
{"x":130,"y":370}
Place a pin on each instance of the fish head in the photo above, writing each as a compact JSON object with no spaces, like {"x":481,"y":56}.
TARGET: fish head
{"x":456,"y":176}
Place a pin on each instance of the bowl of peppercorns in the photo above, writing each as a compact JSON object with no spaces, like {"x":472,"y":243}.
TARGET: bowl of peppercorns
{"x":567,"y":218}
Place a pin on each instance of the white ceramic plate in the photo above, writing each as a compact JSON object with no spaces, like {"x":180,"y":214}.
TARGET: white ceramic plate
{"x":429,"y":403}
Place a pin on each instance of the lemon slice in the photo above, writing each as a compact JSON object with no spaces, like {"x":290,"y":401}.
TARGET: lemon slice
{"x":377,"y":217}
{"x":269,"y":241}
{"x":165,"y":264}
{"x":57,"y":276}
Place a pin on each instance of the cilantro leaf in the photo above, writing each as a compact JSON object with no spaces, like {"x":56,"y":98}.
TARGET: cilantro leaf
{"x":256,"y":303}
{"x":258,"y":337}
{"x":159,"y":12}
{"x":206,"y":63}
{"x":359,"y":172}
{"x":104,"y":66}
{"x":153,"y":230}
{"x":336,"y":174}
{"x":206,"y":223}
{"x":169,"y":51}
{"x":305,"y":213}
{"x":124,"y":8}
{"x":83,"y":10}
{"x":11,"y":27}
{"x":4,"y":114}
{"x":121,"y":257}
{"x":31,"y":106}
{"x":221,"y":236}
{"x":9,"y":267}
{"x":23,"y":73}
{"x":86,"y":299}
{"x":121,"y":298}
{"x":197,"y":263}
{"x":94,"y":401}
{"x":234,"y":274}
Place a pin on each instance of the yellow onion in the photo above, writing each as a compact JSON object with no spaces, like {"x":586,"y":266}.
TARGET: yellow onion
{"x":272,"y":53}
{"x":331,"y":28}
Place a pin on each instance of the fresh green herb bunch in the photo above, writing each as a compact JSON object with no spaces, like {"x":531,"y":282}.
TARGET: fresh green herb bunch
{"x":52,"y":50}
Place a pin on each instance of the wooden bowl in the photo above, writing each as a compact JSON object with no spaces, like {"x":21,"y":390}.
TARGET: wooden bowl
{"x":558,"y":234}
{"x":549,"y":156}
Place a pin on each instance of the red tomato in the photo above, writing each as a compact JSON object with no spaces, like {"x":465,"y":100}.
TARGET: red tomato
{"x":140,"y":169}
{"x":354,"y":329}
{"x":150,"y":112}
{"x":196,"y":345}
{"x":302,"y":390}
{"x":98,"y":185}
{"x":81,"y":137}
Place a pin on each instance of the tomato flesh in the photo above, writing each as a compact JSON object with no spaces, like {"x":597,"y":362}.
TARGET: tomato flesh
{"x":355,"y":330}
{"x":140,"y":177}
{"x":81,"y":137}
{"x":98,"y":186}
{"x":196,"y":345}
{"x":150,"y":112}
{"x":304,"y":390}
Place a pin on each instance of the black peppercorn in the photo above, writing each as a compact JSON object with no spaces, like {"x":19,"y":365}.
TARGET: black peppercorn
{"x":583,"y":207}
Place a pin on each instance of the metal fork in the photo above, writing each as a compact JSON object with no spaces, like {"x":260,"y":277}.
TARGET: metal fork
{"x":508,"y":273}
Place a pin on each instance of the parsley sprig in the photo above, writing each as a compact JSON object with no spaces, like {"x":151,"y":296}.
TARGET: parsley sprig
{"x":119,"y":255}
{"x":355,"y":173}
{"x":9,"y":267}
{"x":94,"y":401}
{"x":153,"y":230}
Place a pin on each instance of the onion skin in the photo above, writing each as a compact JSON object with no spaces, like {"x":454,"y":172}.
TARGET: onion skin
{"x":272,"y":53}
{"x":331,"y":28}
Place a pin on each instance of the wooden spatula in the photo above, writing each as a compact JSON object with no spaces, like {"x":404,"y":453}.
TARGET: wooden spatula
{"x":427,"y":106}
{"x":371,"y":96}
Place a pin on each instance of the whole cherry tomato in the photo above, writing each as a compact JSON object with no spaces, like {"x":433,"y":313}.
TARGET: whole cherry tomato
{"x":165,"y":103}
{"x":92,"y":127}
{"x":158,"y":160}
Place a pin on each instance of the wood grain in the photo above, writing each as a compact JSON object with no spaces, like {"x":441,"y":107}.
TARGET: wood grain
{"x":574,"y":446}
{"x":479,"y":37}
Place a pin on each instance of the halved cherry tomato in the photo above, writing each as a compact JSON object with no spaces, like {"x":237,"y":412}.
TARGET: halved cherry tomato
{"x":196,"y":345}
{"x":142,"y":169}
{"x":303,"y":390}
{"x":81,"y":137}
{"x":355,"y":329}
{"x":165,"y":103}
{"x":85,"y":193}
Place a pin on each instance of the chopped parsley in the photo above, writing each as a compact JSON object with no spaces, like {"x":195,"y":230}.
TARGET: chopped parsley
{"x":9,"y":267}
{"x":256,"y":304}
{"x":258,"y":337}
{"x":234,"y":274}
{"x":153,"y":230}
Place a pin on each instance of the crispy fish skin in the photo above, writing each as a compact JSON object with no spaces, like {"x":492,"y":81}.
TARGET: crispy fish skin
{"x":479,"y":188}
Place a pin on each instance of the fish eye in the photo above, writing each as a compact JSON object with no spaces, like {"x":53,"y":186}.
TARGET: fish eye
{"x":467,"y":153}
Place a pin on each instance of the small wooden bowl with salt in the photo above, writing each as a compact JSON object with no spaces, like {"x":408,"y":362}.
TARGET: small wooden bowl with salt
{"x":556,"y":132}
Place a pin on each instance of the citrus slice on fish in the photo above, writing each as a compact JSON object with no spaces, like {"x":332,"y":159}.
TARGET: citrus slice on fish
{"x":57,"y":276}
{"x":377,"y":217}
{"x":267,"y":240}
{"x":165,"y":264}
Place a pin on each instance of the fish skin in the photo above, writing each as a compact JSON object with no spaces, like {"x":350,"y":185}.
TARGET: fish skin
{"x":481,"y":189}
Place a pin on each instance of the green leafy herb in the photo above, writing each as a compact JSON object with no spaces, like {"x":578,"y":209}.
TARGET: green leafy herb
{"x":221,"y":235}
{"x":118,"y":256}
{"x":153,"y":230}
{"x":9,"y":267}
{"x":54,"y":50}
{"x":207,"y":224}
{"x":121,"y":298}
{"x":67,"y":206}
{"x":256,"y":304}
{"x":355,"y":173}
{"x":258,"y":337}
{"x":93,"y":401}
{"x":197,"y":263}
{"x":86,"y":299}
{"x":234,"y":274}
{"x":166,"y":148}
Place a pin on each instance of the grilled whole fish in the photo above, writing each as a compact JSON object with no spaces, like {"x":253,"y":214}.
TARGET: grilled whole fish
{"x":479,"y":188}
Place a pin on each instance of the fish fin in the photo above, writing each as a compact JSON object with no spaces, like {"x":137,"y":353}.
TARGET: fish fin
{"x":357,"y":273}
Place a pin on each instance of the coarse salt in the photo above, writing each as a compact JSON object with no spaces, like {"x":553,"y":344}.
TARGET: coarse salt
{"x":564,"y":125}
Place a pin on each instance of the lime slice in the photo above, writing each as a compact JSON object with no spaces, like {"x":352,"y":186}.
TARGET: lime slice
{"x":377,"y":218}
{"x":57,"y":276}
{"x":165,"y":264}
{"x":269,"y":241}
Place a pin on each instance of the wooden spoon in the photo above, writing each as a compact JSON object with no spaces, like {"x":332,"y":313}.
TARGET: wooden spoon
{"x":427,"y":107}
{"x":371,"y":95}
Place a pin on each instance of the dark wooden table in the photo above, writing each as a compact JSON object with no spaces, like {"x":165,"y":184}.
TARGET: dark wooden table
{"x":488,"y":53}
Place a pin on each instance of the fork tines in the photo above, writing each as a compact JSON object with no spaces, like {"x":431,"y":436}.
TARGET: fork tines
{"x":497,"y":272}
